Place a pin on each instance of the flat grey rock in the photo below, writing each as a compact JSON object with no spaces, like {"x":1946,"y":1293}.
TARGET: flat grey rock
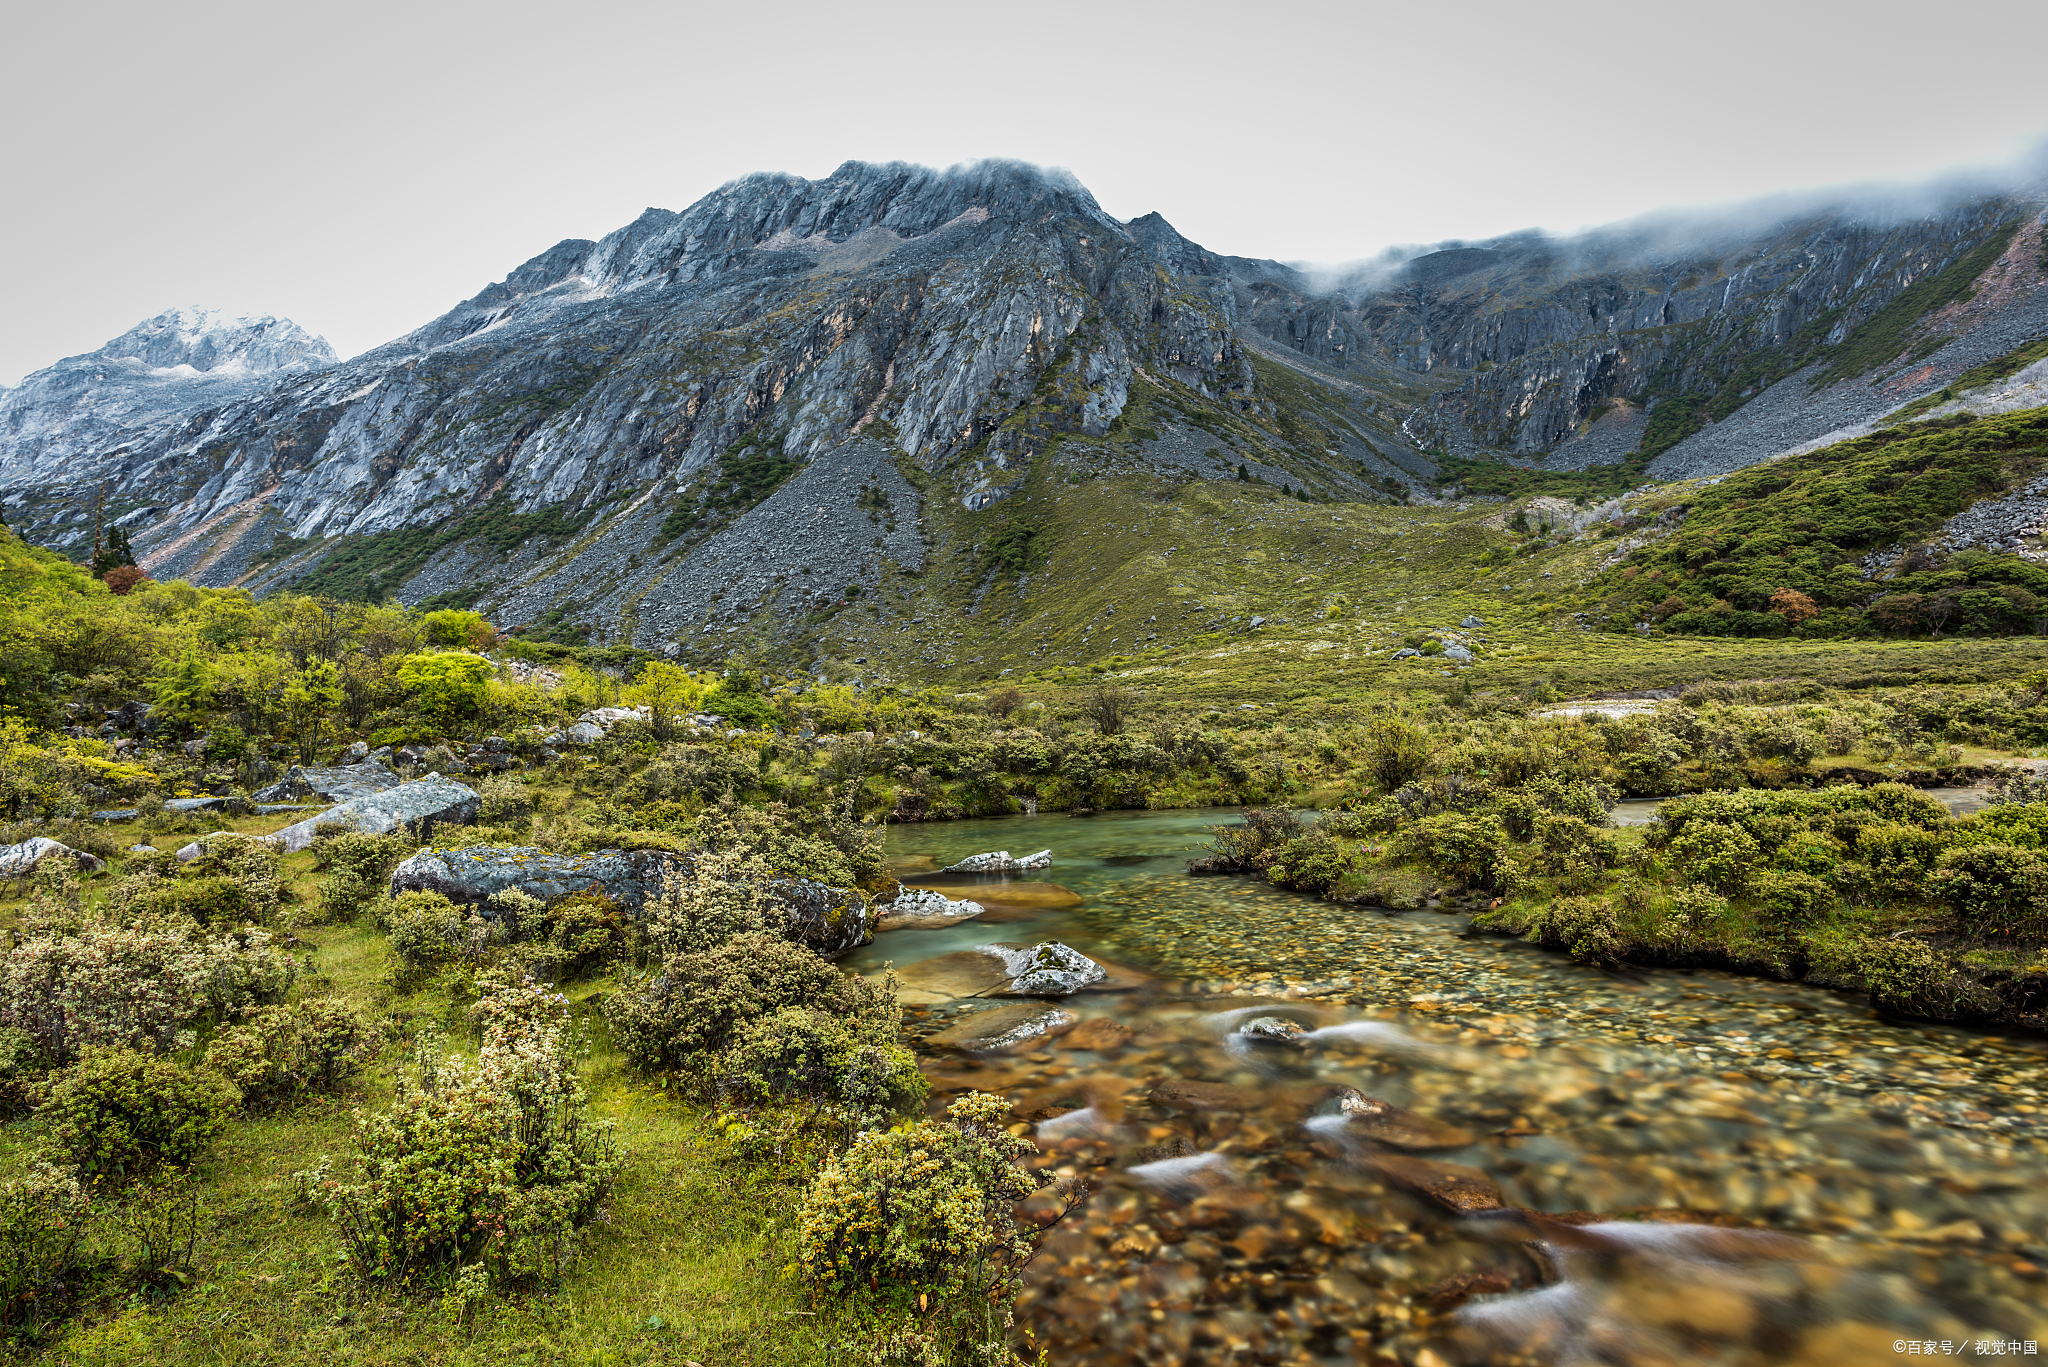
{"x":417,"y":807}
{"x":117,"y":814}
{"x":828,"y":920}
{"x":331,"y":783}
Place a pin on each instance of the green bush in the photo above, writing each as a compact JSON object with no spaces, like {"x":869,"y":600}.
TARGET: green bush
{"x":426,"y":930}
{"x":1900,"y":856}
{"x":22,"y":1069}
{"x":120,"y":1113}
{"x":1311,"y":862}
{"x":502,"y":798}
{"x":1584,"y":926}
{"x":798,"y":1053}
{"x":490,"y":1162}
{"x":1724,"y":858}
{"x":1995,"y":891}
{"x":43,"y":1219}
{"x":582,"y":934}
{"x":703,"y":1000}
{"x":1471,"y":849}
{"x":929,"y":1208}
{"x":1791,"y":902}
{"x":279,"y":1053}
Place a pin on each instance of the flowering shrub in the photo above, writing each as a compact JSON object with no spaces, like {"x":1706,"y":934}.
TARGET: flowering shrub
{"x":490,"y":1162}
{"x":95,"y":981}
{"x":120,"y":1112}
{"x":21,"y":1072}
{"x":931,"y":1207}
{"x":701,"y":1001}
{"x":277,"y":1053}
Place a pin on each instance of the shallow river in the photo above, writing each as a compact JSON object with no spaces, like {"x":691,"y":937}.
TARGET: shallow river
{"x":1740,"y":1171}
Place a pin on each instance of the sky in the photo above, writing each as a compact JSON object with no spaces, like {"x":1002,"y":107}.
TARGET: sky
{"x":359,"y":168}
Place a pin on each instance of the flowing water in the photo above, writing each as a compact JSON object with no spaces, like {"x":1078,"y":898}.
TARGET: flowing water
{"x":1328,"y":1134}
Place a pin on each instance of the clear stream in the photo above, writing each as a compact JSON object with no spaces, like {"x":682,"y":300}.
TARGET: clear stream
{"x":1741,"y":1171}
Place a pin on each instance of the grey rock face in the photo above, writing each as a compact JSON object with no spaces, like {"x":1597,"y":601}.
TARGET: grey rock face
{"x":418,"y":808}
{"x":18,"y":861}
{"x":331,"y":783}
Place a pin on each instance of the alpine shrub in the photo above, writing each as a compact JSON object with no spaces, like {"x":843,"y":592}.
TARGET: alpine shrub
{"x":489,"y":1162}
{"x":278,"y":1053}
{"x":120,"y":1113}
{"x":43,"y":1215}
{"x":1995,"y":891}
{"x":931,"y":1207}
{"x":701,"y":1001}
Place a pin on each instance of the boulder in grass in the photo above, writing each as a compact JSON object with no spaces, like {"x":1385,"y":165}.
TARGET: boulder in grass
{"x":826,"y":919}
{"x":329,"y":783}
{"x":19,"y":861}
{"x":470,"y":877}
{"x":417,"y":807}
{"x":1000,"y":861}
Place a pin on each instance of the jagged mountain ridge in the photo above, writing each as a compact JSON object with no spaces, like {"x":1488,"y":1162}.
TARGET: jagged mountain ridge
{"x":966,"y":322}
{"x":1540,"y":335}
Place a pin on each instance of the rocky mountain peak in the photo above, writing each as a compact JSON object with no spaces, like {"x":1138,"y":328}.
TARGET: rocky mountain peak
{"x":212,"y":341}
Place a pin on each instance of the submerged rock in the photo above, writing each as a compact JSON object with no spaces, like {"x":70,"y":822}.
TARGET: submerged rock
{"x":1387,"y":1123}
{"x":1459,"y":1189}
{"x":1274,"y":1030}
{"x":330,"y":783}
{"x":18,"y":861}
{"x":1101,"y":1035}
{"x":1187,"y":1094}
{"x":1005,"y":1027}
{"x":1001,"y":861}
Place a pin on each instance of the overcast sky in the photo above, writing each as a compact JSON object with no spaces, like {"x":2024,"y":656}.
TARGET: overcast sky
{"x":360,"y":167}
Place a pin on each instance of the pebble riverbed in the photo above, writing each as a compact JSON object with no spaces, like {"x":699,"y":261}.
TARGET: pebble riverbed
{"x":1720,"y":1169}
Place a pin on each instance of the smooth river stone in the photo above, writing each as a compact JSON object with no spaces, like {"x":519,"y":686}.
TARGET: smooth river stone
{"x":1101,"y":1034}
{"x":1005,"y":1027}
{"x":1020,"y":894}
{"x":949,"y":977}
{"x":1185,"y":1094}
{"x":1455,"y":1187}
{"x":1404,"y":1129}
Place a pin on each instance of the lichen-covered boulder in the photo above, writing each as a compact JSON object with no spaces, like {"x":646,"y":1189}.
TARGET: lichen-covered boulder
{"x":418,"y":808}
{"x":329,"y":783}
{"x":926,"y":909}
{"x":18,"y":861}
{"x":1050,"y":969}
{"x":827,"y":919}
{"x":1000,"y":861}
{"x":471,"y":876}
